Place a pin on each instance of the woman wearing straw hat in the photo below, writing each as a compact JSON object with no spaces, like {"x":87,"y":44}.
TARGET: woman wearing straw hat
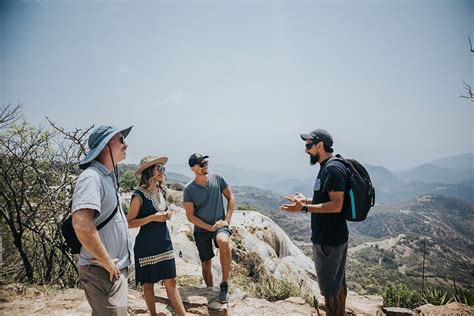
{"x":154,"y":257}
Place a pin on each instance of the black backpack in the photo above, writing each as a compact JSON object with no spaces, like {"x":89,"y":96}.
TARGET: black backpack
{"x":71,"y":241}
{"x":361,"y":191}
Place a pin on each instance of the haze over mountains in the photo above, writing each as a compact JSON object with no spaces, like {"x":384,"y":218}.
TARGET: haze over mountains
{"x":450,"y":176}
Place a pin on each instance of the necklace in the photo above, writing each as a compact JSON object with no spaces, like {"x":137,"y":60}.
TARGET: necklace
{"x":157,"y":199}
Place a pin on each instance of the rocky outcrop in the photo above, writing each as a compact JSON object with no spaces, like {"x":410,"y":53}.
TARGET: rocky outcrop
{"x":280,"y":257}
{"x":204,"y":302}
{"x":398,"y":311}
{"x":448,"y":309}
{"x":254,"y":234}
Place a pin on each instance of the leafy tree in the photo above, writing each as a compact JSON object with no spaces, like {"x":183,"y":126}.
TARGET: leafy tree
{"x":38,"y":167}
{"x":128,"y":180}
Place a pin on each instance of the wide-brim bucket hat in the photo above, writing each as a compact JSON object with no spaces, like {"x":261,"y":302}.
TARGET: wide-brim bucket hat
{"x":149,"y":161}
{"x":98,"y":139}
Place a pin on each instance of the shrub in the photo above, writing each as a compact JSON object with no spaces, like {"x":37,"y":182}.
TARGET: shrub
{"x":251,"y":276}
{"x":254,"y":266}
{"x":237,"y":240}
{"x":273,"y":289}
{"x":435,"y":296}
{"x":128,"y":180}
{"x":188,"y":280}
{"x":190,"y":235}
{"x":173,"y":199}
{"x":175,"y":186}
{"x":464,"y":296}
{"x":125,"y":208}
{"x":245,"y":207}
{"x":397,"y":294}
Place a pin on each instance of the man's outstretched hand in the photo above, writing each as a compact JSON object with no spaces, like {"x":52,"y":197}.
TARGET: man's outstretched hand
{"x":297,"y":204}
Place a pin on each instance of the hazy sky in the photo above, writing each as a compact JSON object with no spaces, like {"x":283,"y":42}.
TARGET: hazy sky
{"x":240,"y":80}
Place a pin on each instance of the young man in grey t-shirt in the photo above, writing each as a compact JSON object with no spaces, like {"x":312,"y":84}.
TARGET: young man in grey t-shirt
{"x":205,"y":209}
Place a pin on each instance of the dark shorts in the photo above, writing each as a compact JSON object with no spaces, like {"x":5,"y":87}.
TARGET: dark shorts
{"x":330,"y":263}
{"x":204,"y":242}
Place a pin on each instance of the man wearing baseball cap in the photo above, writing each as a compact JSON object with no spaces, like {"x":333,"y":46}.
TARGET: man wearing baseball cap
{"x":204,"y":207}
{"x":328,"y":225}
{"x":105,"y":253}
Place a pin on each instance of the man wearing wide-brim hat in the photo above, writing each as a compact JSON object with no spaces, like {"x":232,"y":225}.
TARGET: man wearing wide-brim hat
{"x":105,"y":253}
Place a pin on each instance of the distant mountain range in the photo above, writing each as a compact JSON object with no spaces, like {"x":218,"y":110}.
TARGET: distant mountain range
{"x":442,"y":225}
{"x":455,"y":169}
{"x":392,"y":236}
{"x":460,"y":163}
{"x":451,"y":176}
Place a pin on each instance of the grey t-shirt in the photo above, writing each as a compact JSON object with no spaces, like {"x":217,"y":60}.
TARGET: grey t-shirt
{"x":207,"y":200}
{"x":95,"y":189}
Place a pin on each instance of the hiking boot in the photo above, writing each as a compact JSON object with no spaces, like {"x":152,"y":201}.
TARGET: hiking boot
{"x":224,"y":294}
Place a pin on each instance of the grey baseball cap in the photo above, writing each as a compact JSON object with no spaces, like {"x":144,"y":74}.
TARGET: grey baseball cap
{"x":318,"y":135}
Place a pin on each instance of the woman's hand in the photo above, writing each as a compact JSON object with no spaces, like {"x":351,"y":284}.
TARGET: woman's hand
{"x":161,"y":216}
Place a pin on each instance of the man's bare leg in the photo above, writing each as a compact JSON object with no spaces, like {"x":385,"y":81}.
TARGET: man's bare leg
{"x":342,"y":299}
{"x":225,"y":250}
{"x":207,"y":272}
{"x":332,"y":305}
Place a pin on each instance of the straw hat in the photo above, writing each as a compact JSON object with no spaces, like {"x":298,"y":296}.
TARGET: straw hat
{"x":149,"y":161}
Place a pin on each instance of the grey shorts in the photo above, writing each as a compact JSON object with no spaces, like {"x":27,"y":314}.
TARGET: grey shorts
{"x":204,"y":242}
{"x":105,"y":297}
{"x":330,"y":264}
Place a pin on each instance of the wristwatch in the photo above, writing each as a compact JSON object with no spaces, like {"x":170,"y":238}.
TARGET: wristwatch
{"x":305,"y":209}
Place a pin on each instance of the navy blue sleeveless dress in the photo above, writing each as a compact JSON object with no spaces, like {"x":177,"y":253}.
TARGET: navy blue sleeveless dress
{"x":153,"y":250}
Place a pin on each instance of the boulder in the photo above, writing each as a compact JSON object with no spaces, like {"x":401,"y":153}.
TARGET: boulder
{"x":448,"y":309}
{"x":398,"y":311}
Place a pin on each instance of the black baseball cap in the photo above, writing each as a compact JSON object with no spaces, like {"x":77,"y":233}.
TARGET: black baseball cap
{"x":319,"y":135}
{"x":195,"y":159}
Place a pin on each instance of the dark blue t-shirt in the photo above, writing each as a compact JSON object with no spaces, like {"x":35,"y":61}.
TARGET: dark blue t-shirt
{"x":329,"y":229}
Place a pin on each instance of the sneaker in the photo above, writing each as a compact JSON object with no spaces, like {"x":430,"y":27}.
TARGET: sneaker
{"x":224,"y":294}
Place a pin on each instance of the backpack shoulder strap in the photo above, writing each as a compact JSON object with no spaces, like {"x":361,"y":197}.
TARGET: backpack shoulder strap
{"x":339,"y":158}
{"x":110,"y":216}
{"x":114,"y":211}
{"x":350,"y":167}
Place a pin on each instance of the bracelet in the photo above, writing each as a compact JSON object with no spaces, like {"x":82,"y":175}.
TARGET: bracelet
{"x":305,"y":208}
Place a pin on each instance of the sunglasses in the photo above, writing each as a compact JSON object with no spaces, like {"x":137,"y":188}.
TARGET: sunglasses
{"x":160,"y":168}
{"x":309,"y":146}
{"x":204,"y":163}
{"x":121,"y":140}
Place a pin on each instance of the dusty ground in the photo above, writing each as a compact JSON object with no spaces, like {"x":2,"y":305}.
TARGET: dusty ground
{"x":18,"y":299}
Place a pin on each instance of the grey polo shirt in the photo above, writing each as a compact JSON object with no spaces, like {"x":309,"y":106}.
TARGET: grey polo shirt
{"x":95,"y":189}
{"x":207,"y":199}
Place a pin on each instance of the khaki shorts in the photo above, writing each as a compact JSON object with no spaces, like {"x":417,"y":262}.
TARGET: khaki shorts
{"x":105,"y":297}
